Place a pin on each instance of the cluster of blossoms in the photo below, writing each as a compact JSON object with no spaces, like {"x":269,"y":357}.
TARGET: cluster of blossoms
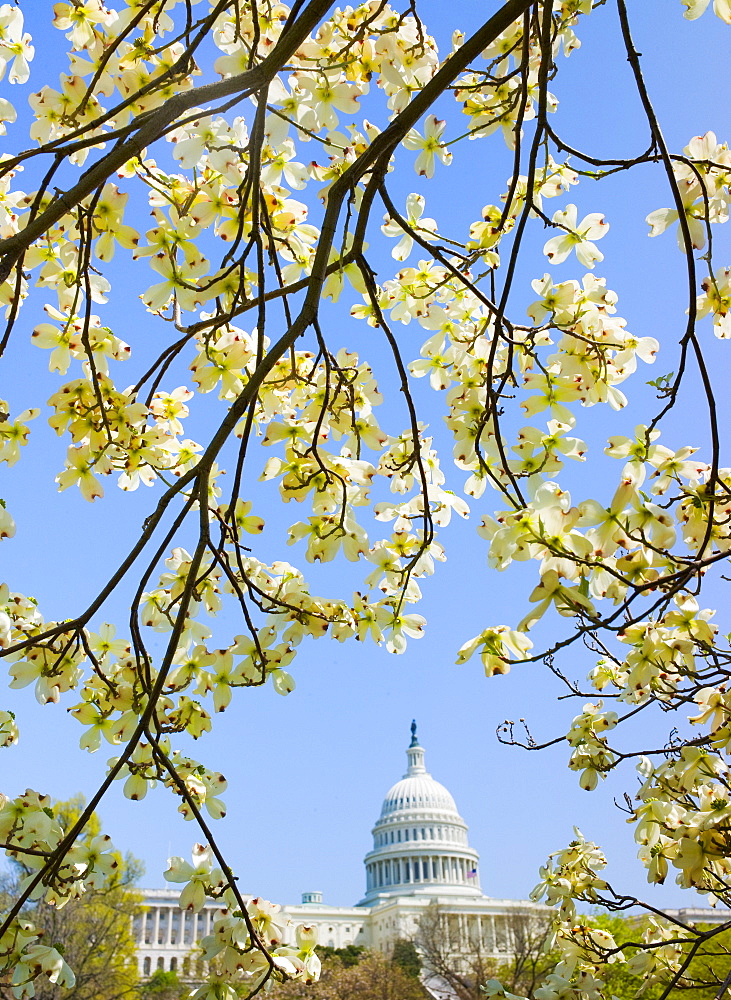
{"x":113,"y":699}
{"x":682,"y":819}
{"x":31,"y":833}
{"x":573,"y":875}
{"x":703,"y":176}
{"x":228,"y":949}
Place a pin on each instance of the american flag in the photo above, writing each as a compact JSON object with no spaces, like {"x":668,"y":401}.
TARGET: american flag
{"x":472,"y":874}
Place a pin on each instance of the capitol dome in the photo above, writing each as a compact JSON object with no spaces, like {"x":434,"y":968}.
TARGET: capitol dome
{"x":420,"y":840}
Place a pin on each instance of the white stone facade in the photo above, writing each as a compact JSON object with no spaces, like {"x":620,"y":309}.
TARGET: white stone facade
{"x":166,"y":934}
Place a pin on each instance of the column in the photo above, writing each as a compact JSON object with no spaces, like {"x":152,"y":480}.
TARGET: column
{"x":156,"y":926}
{"x":509,"y":938}
{"x":169,"y":935}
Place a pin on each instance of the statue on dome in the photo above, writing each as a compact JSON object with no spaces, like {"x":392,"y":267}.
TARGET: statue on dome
{"x":414,"y":741}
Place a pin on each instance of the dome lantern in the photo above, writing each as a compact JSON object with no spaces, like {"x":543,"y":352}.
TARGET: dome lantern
{"x":415,"y":755}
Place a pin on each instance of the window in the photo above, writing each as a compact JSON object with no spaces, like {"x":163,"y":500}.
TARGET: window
{"x":173,"y":964}
{"x":161,"y":963}
{"x":146,"y":966}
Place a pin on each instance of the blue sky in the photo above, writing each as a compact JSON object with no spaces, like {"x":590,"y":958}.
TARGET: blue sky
{"x":307,"y":773}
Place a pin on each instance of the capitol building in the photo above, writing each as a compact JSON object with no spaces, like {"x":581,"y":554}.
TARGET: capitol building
{"x":421,"y":863}
{"x":421,"y":857}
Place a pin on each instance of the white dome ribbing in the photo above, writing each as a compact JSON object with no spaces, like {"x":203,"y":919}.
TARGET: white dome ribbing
{"x":420,"y":840}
